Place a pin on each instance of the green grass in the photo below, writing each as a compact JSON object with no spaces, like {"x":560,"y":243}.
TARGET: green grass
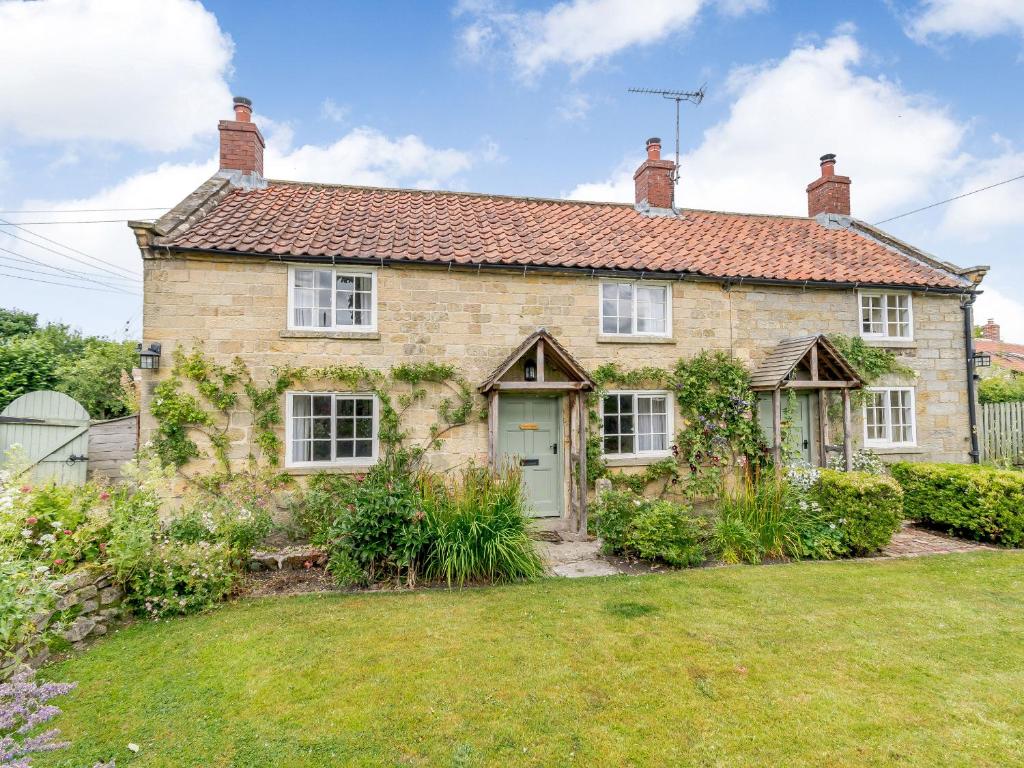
{"x":905,"y":662}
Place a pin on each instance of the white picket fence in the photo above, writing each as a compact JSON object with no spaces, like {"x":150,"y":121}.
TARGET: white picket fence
{"x":1001,"y":431}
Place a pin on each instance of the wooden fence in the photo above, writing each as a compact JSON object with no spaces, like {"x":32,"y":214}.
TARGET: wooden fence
{"x":1001,"y":431}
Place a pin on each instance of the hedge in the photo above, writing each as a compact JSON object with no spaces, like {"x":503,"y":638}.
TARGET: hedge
{"x":867,"y":509}
{"x":973,"y":501}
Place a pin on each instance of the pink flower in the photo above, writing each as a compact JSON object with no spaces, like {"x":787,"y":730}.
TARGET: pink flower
{"x":67,"y":531}
{"x":31,"y":520}
{"x":26,"y":488}
{"x":103,"y":546}
{"x":104,"y":496}
{"x":59,"y":561}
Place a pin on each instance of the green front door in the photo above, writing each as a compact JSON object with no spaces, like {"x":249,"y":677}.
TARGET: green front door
{"x":529,"y":434}
{"x":801,"y":437}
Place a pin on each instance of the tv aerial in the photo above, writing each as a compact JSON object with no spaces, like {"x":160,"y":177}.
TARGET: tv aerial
{"x":694,"y":97}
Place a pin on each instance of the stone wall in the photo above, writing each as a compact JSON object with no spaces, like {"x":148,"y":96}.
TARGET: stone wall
{"x":88,"y":602}
{"x":238,"y":307}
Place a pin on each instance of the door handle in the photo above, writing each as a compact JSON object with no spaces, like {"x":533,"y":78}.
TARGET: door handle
{"x":554,"y":447}
{"x":806,"y":445}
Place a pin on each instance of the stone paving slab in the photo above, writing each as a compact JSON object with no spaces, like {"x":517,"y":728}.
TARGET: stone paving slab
{"x":575,"y":559}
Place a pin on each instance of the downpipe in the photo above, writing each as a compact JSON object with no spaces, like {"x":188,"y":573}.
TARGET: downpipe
{"x":967,"y":305}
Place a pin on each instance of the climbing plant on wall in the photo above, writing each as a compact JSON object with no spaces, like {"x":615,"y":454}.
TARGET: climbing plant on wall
{"x":718,"y":425}
{"x":202,"y":397}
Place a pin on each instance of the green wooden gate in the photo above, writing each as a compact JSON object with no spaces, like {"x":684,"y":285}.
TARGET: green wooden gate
{"x":53,"y":432}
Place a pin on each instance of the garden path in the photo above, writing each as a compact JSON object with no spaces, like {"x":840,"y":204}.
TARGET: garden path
{"x":913,"y":541}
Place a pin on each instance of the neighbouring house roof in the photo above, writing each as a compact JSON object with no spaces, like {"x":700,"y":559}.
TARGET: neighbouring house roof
{"x":775,"y":368}
{"x":1004,"y":354}
{"x":290,"y":220}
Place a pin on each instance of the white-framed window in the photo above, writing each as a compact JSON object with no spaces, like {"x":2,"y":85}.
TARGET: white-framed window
{"x":330,"y":298}
{"x":886,"y":315}
{"x":331,"y":428}
{"x":636,"y":424}
{"x":635,"y":308}
{"x":889,"y":418}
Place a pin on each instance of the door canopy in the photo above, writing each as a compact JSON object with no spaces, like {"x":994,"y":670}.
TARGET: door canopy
{"x":807,"y":362}
{"x":539,"y":363}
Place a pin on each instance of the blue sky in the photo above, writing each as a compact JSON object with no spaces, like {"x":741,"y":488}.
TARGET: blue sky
{"x":117,"y":106}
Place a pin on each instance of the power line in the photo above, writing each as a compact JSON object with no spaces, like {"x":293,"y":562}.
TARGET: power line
{"x":74,"y":221}
{"x":66,"y":256}
{"x":87,"y":210}
{"x":106,"y":288}
{"x":65,"y":246}
{"x":65,"y":285}
{"x":950,"y":200}
{"x":74,"y":274}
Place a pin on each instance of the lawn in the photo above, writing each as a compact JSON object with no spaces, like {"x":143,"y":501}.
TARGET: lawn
{"x":898,"y":662}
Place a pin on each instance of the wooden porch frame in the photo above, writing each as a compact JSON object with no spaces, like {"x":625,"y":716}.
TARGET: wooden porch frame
{"x":548,"y":351}
{"x":829,"y":371}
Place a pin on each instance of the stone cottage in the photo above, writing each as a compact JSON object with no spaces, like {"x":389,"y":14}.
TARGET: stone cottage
{"x":527,"y":296}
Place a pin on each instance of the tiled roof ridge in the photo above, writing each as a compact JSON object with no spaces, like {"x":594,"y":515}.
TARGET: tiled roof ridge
{"x":521,"y":198}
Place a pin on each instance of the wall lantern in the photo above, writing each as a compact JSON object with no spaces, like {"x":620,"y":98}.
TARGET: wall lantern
{"x":149,"y":358}
{"x":982,"y":360}
{"x":530,"y":370}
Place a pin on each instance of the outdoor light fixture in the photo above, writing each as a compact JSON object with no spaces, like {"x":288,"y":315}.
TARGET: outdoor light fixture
{"x":982,"y":360}
{"x":530,"y":370}
{"x":149,"y":358}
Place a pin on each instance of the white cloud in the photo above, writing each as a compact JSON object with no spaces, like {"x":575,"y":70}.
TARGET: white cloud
{"x":970,"y":18}
{"x":1008,"y":312}
{"x":896,"y":146}
{"x":151,"y":75}
{"x":985,"y":214}
{"x":574,"y":107}
{"x":581,"y":33}
{"x":331,"y":110}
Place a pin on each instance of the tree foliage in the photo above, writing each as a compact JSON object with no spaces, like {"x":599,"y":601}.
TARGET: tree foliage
{"x":55,"y":356}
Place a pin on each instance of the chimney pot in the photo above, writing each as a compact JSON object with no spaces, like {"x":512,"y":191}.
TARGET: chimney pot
{"x":991,"y":331}
{"x":654,"y":148}
{"x":828,"y":193}
{"x":243,"y":109}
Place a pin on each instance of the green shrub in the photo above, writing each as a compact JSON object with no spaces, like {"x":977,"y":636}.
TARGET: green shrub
{"x":761,"y":520}
{"x":978,"y":502}
{"x":344,"y":569}
{"x":175,"y":578}
{"x":865,"y":509}
{"x":733,"y":542}
{"x":1001,"y":389}
{"x":26,"y":590}
{"x":665,"y":531}
{"x":477,"y":529}
{"x":218,"y":519}
{"x":629,"y":524}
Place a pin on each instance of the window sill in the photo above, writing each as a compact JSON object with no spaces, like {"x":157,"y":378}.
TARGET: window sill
{"x":355,"y":335}
{"x":331,"y":469}
{"x":894,"y":450}
{"x":635,"y":461}
{"x":890,"y":343}
{"x":611,"y":339}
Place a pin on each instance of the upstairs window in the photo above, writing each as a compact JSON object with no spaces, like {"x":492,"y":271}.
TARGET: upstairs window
{"x":635,"y":309}
{"x":886,"y":315}
{"x":325,"y":428}
{"x":889,"y":417}
{"x":332,"y":299}
{"x":636,"y":424}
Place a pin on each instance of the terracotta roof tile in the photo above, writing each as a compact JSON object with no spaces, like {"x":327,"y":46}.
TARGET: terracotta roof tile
{"x":1004,"y":354}
{"x":293,"y":219}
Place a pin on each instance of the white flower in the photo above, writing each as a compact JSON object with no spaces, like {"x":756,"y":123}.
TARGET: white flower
{"x":26,"y":533}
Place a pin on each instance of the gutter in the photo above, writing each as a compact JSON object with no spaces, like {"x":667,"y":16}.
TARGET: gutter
{"x":966,"y":290}
{"x":967,"y":305}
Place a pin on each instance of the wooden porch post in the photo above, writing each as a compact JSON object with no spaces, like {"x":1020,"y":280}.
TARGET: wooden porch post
{"x":777,"y":428}
{"x":847,"y":429}
{"x":822,"y":427}
{"x":492,"y":428}
{"x":581,"y":405}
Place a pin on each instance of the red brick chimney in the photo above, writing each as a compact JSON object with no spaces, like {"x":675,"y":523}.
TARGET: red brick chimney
{"x":241,"y":143}
{"x":990,"y":331}
{"x":653,"y":179}
{"x":829,"y":193}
